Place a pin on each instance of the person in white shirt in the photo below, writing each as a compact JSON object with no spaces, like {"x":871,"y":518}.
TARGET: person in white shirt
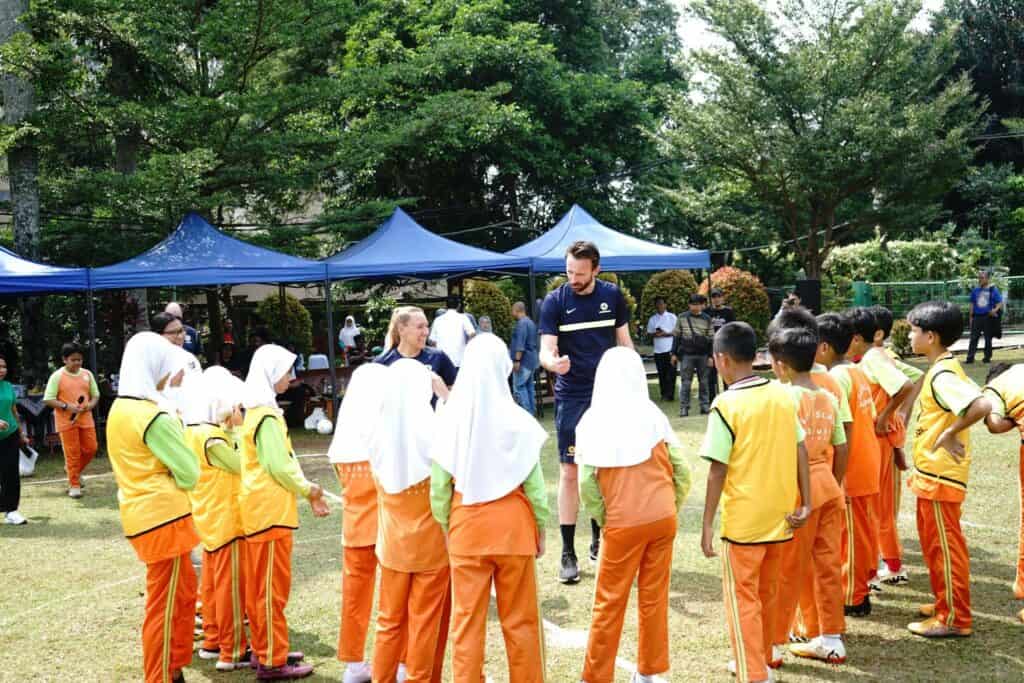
{"x":452,"y":331}
{"x":661,"y":326}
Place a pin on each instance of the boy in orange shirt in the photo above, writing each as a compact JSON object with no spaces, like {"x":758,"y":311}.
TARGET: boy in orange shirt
{"x":72,"y":393}
{"x":948,"y":405}
{"x":758,"y":471}
{"x":813,"y":559}
{"x":860,"y":536}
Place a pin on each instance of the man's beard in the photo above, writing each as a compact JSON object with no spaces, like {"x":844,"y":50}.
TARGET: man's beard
{"x":579,"y":288}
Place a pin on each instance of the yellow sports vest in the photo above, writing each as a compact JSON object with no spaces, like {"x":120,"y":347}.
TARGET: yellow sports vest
{"x":761,"y":482}
{"x":215,"y":508}
{"x":264,"y":503}
{"x":146,"y":492}
{"x":1009,"y":387}
{"x":933,"y":418}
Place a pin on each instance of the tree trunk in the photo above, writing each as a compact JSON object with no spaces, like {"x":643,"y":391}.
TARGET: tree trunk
{"x":23,"y":168}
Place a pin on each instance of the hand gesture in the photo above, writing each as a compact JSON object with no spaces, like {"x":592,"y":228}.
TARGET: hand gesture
{"x":882,"y":425}
{"x":561,"y":365}
{"x":4,"y":425}
{"x":439,"y":387}
{"x":947,"y":440}
{"x":675,"y":360}
{"x":799,"y":517}
{"x":707,"y":542}
{"x":26,"y":440}
{"x":317,"y":502}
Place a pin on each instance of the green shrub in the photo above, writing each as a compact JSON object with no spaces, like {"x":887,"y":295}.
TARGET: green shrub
{"x":511,"y":288}
{"x":559,"y":280}
{"x":745,"y":293}
{"x":485,"y":298}
{"x":897,"y":261}
{"x":376,"y":319}
{"x":675,"y":286}
{"x":900,"y":338}
{"x":297,"y":325}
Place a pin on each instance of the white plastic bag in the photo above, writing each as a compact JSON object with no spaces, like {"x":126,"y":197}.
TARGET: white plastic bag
{"x":314,"y":419}
{"x":27,"y":461}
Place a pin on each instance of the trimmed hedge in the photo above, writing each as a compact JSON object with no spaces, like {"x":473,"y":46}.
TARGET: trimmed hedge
{"x":483,"y":297}
{"x":297,"y":326}
{"x":675,"y":286}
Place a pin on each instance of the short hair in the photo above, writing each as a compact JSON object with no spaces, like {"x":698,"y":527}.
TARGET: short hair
{"x":657,"y":299}
{"x":519,"y":306}
{"x":794,"y":346}
{"x":862,"y":321}
{"x":996,"y":370}
{"x":941,"y":317}
{"x":716,"y":292}
{"x":262,"y":332}
{"x":883,"y":318}
{"x":793,"y":316}
{"x":159,"y":322}
{"x":583,"y":249}
{"x":69,"y":349}
{"x":452,"y":303}
{"x":986,"y":272}
{"x":836,"y":331}
{"x":738,"y":341}
{"x":698,"y":299}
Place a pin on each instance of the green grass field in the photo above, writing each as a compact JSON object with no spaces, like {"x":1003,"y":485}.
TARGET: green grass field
{"x":71,"y":597}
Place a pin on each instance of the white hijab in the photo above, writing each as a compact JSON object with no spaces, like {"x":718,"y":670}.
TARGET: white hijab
{"x":225,"y":391}
{"x":147,"y":359}
{"x":622,"y":424}
{"x":484,"y":439}
{"x":400,"y":444}
{"x":270,"y":363}
{"x":348,"y":334}
{"x":359,"y":413}
{"x":176,"y":398}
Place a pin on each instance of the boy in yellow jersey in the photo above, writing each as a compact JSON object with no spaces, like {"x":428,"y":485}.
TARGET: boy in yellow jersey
{"x":72,"y":394}
{"x":948,"y":405}
{"x":154,"y":470}
{"x":271,"y":480}
{"x":860,"y":539}
{"x":890,"y":390}
{"x":212,"y":407}
{"x":759,"y":471}
{"x":815,"y":556}
{"x":1004,"y":388}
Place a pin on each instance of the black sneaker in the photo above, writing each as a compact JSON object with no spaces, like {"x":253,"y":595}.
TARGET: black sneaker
{"x":570,"y":569}
{"x":595,"y":549}
{"x":704,"y":411}
{"x":861,"y":610}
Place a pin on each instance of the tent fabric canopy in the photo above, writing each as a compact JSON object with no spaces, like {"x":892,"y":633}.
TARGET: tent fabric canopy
{"x":402,"y":247}
{"x":21,"y":276}
{"x":196,"y":253}
{"x":619,"y":252}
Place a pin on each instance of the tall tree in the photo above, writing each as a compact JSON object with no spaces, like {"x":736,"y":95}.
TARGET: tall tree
{"x":830,"y":115}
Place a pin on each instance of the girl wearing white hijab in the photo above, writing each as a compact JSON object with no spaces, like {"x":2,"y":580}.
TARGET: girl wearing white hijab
{"x":414,"y":584}
{"x":487,"y":491}
{"x":154,"y":469}
{"x":349,"y":453}
{"x":633,"y":482}
{"x":348,"y":333}
{"x":271,"y":481}
{"x":174,"y":396}
{"x":212,"y":407}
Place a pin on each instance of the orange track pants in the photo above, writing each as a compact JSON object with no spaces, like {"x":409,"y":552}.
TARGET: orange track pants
{"x":860,"y":547}
{"x":208,"y":611}
{"x":169,"y":619}
{"x":270,"y":575}
{"x":515,"y":587}
{"x":750,"y":576}
{"x":889,"y":546}
{"x":644,"y":553}
{"x":79,"y":446}
{"x":944,"y":549}
{"x":416,"y":606}
{"x":358,"y":580}
{"x":1018,"y":583}
{"x":811,"y":576}
{"x":226,"y":599}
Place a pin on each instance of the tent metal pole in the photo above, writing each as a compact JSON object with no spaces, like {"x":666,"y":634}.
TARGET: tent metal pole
{"x":330,"y":348}
{"x":92,"y":332}
{"x":533,"y":295}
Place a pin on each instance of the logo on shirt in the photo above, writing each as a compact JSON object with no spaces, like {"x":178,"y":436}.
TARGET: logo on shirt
{"x":570,"y":311}
{"x":604,"y":307}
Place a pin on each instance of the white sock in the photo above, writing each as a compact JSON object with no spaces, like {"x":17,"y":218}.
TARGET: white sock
{"x":831,"y":639}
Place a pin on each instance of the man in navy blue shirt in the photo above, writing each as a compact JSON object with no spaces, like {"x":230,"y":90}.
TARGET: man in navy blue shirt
{"x":579,"y":321}
{"x":523,"y":351}
{"x":986,"y":304}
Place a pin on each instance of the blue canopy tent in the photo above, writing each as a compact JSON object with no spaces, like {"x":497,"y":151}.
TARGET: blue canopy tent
{"x":619,"y":252}
{"x":402,"y":247}
{"x":21,"y":276}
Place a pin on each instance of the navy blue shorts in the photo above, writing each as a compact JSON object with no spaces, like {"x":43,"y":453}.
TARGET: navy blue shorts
{"x":567,"y":415}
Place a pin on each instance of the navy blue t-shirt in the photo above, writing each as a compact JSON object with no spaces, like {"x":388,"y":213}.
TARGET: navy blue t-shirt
{"x":585,"y":326}
{"x":435,"y":359}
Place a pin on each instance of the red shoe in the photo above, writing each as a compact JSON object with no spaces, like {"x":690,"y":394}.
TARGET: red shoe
{"x":287,"y":672}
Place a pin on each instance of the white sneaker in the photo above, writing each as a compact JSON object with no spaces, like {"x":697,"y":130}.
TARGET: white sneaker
{"x":75,"y":492}
{"x":887,"y":576}
{"x":208,"y":654}
{"x":731,"y":666}
{"x":233,"y":666}
{"x":402,"y":673}
{"x":832,"y":650}
{"x":640,"y":678}
{"x":357,"y":672}
{"x":14,"y":517}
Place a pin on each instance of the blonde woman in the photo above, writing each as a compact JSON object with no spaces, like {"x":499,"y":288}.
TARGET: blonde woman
{"x":407,"y":338}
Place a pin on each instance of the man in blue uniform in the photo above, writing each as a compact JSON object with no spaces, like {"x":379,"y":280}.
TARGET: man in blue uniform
{"x":579,"y":321}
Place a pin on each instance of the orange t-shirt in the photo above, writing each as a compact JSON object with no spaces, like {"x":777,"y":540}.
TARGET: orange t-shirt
{"x":70,"y":389}
{"x":818,"y":416}
{"x":499,"y":527}
{"x":409,"y":539}
{"x":359,"y":506}
{"x":865,"y":460}
{"x":639,"y":494}
{"x":166,"y":542}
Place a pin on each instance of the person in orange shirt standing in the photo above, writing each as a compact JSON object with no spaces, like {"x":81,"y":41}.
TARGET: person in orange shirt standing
{"x":349,"y":453}
{"x":414,"y":583}
{"x":948,"y":405}
{"x":860,"y":536}
{"x":633,"y":483}
{"x":813,"y":559}
{"x":488,"y":494}
{"x":271,"y":481}
{"x":155,"y":469}
{"x":72,"y":393}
